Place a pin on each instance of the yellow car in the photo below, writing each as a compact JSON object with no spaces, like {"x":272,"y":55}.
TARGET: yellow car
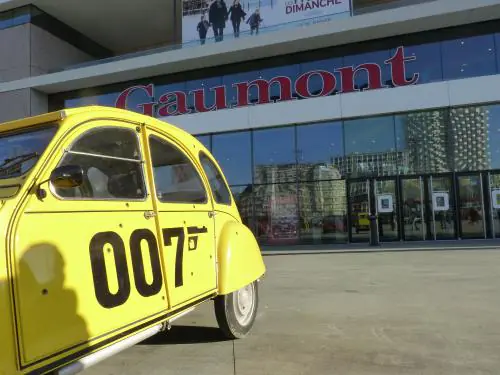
{"x":114,"y":225}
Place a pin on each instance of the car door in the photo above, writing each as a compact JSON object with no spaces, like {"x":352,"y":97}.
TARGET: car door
{"x":86,"y":260}
{"x":185,"y":219}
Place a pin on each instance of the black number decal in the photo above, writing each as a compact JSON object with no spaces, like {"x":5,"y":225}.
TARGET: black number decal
{"x":145,"y":289}
{"x":168,"y":234}
{"x":99,"y":274}
{"x":101,"y":285}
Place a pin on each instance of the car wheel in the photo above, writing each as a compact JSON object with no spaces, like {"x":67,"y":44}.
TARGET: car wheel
{"x":236,"y":312}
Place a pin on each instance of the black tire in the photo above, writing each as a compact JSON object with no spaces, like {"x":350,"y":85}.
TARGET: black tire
{"x":228,"y":312}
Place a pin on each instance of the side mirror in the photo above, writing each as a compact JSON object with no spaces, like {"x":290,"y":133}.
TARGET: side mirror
{"x":67,"y":176}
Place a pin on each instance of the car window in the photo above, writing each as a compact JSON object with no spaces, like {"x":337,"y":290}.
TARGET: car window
{"x":111,"y":161}
{"x":176,"y":178}
{"x":217,"y":184}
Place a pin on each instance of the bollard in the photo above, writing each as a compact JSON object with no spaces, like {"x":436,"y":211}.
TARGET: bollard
{"x":373,"y":230}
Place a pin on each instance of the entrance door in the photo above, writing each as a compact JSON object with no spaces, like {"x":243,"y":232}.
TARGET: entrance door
{"x":386,"y":208}
{"x":377,"y":196}
{"x":494,"y":192}
{"x":360,"y":207}
{"x":414,"y":227}
{"x":441,"y":199}
{"x":472,"y":218}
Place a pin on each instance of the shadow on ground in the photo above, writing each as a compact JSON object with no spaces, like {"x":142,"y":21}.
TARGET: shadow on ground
{"x":186,"y":335}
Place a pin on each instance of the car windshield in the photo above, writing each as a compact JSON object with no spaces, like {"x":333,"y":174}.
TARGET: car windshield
{"x":20,"y":150}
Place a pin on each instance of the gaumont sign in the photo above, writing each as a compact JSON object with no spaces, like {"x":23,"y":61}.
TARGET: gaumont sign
{"x":173,"y":103}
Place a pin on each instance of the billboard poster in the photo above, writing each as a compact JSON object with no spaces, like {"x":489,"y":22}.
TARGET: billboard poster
{"x":206,"y":21}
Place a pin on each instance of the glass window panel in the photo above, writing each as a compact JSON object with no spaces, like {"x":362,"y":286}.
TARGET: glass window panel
{"x":209,"y":95}
{"x":233,"y":153}
{"x":319,"y":146}
{"x":243,"y":196}
{"x":231,"y":91}
{"x":217,"y":183}
{"x":316,"y":82}
{"x":427,"y":63}
{"x":176,"y":178}
{"x":122,"y":143}
{"x":361,"y":77}
{"x":476,"y":137}
{"x":274,"y":155}
{"x":493,"y":139}
{"x":275,"y":90}
{"x":423,"y":142}
{"x":323,"y":211}
{"x":205,"y":140}
{"x":469,"y":57}
{"x":497,"y":47}
{"x":276,"y":216}
{"x":370,"y":148}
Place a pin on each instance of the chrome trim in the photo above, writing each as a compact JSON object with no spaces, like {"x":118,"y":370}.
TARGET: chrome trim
{"x":104,"y":156}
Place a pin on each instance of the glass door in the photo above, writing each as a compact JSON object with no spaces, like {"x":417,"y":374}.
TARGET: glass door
{"x":359,"y":210}
{"x":412,"y":209}
{"x":386,"y":208}
{"x":442,"y":207}
{"x":471,"y":206}
{"x":494,"y":190}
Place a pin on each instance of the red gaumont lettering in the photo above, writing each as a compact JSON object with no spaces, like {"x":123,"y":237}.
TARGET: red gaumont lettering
{"x":276,"y":89}
{"x":311,"y":4}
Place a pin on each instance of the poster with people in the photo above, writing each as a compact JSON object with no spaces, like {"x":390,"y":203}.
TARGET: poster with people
{"x":216,"y":20}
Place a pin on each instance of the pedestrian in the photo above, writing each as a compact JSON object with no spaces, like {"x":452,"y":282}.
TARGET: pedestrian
{"x":202,"y":28}
{"x":254,"y":21}
{"x":217,"y":16}
{"x":237,"y":15}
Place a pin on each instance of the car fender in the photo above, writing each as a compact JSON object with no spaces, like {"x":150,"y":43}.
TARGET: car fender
{"x":240,"y":261}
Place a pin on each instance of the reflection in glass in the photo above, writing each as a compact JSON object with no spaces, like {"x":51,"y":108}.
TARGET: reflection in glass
{"x":427,"y":64}
{"x":413,"y":209}
{"x":370,"y":148}
{"x":359,"y":204}
{"x":277,"y":220}
{"x":323,"y":211}
{"x":205,"y":140}
{"x":244,"y":201}
{"x":469,"y":57}
{"x":495,"y":203}
{"x":233,"y":153}
{"x":274,"y":155}
{"x":470,"y":137}
{"x":471,"y":206}
{"x":386,"y":208}
{"x":316,"y":84}
{"x":423,"y":142}
{"x":363,"y":77}
{"x":443,"y":207}
{"x":318,"y":147}
{"x":494,"y":135}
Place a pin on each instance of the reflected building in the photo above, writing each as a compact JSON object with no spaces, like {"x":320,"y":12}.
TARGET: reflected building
{"x":427,"y":141}
{"x":469,"y":131}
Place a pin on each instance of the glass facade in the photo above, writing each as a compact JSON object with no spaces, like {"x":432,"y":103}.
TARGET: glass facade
{"x":440,"y":55}
{"x":317,"y":183}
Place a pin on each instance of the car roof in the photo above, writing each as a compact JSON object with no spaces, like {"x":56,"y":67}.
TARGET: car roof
{"x":97,"y":112}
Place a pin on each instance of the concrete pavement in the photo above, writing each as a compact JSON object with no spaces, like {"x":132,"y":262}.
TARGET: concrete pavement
{"x":379,"y":313}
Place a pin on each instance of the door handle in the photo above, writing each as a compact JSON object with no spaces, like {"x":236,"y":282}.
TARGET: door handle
{"x":149,"y":214}
{"x":211,"y":214}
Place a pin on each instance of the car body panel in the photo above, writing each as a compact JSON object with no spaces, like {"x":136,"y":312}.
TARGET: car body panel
{"x":80,"y":274}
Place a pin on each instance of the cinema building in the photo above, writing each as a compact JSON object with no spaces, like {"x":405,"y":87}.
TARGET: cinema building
{"x":393,"y":110}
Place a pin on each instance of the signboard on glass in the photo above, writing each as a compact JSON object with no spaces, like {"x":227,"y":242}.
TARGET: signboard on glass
{"x":385,"y":203}
{"x":440,"y":201}
{"x":495,"y":198}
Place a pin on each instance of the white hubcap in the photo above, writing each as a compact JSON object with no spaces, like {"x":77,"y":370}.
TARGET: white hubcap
{"x":244,"y":304}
